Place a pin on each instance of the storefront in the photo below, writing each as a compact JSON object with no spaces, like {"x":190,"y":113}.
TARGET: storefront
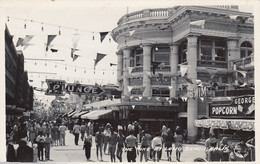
{"x":231,"y":116}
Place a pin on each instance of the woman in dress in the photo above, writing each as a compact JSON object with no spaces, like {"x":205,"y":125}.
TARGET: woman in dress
{"x":178,"y":143}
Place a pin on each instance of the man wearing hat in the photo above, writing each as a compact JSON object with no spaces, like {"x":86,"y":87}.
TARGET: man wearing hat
{"x":24,"y":152}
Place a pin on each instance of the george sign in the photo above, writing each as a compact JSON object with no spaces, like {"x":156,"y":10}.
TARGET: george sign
{"x":59,"y":87}
{"x":237,"y":107}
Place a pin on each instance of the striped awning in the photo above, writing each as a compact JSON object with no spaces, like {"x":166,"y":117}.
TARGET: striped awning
{"x":245,"y":125}
{"x":97,"y":114}
{"x":71,"y":114}
{"x":77,"y":115}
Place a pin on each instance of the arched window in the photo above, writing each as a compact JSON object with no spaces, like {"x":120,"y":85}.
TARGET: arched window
{"x":246,"y":49}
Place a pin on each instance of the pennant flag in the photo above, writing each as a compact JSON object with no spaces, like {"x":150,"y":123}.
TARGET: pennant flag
{"x":157,"y":98}
{"x":131,"y":32}
{"x":49,"y":40}
{"x":27,"y":39}
{"x":129,"y":88}
{"x":75,"y":57}
{"x":99,"y":57}
{"x":184,"y":98}
{"x":54,"y":50}
{"x":72,"y":52}
{"x":188,"y":80}
{"x":149,"y":98}
{"x":20,"y":42}
{"x":140,"y":98}
{"x":111,"y":64}
{"x":103,"y":35}
{"x":212,"y":72}
{"x":130,"y":69}
{"x":155,"y":66}
{"x":170,"y":87}
{"x":167,"y":98}
{"x":199,"y":23}
{"x":133,"y":106}
{"x":161,"y":77}
{"x":131,"y":97}
{"x":75,"y":40}
{"x":243,"y":73}
{"x":202,"y":99}
{"x":142,"y":88}
{"x":183,"y":69}
{"x":170,"y":102}
{"x":233,"y":17}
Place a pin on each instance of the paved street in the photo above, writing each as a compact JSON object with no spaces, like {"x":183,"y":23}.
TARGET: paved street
{"x":73,"y":153}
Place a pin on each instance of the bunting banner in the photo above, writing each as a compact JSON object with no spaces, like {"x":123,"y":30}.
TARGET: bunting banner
{"x":167,"y":98}
{"x":170,"y":87}
{"x":170,"y":102}
{"x":103,"y":35}
{"x":188,"y":80}
{"x":27,"y":39}
{"x":129,"y":88}
{"x":130,"y":69}
{"x":142,"y":88}
{"x":140,"y":98}
{"x":111,"y":64}
{"x":75,"y":41}
{"x":131,"y":32}
{"x":50,"y":38}
{"x":20,"y":42}
{"x":242,"y":73}
{"x":157,"y":98}
{"x":155,"y":65}
{"x":233,"y":17}
{"x":54,"y":50}
{"x":199,"y":23}
{"x":133,"y":106}
{"x":184,"y":99}
{"x":212,"y":72}
{"x":75,"y":57}
{"x":42,"y":82}
{"x":149,"y":98}
{"x":183,"y":69}
{"x":99,"y":57}
{"x":202,"y":99}
{"x":72,"y":52}
{"x":131,"y":97}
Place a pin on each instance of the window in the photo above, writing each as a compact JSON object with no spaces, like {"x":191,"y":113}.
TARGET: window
{"x":136,"y":92}
{"x":161,"y":92}
{"x":206,"y":49}
{"x":246,"y":49}
{"x":183,"y":52}
{"x":220,"y":50}
{"x":162,"y":55}
{"x":139,"y":57}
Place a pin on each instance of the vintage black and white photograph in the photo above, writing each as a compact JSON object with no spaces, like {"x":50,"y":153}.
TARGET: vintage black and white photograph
{"x":109,"y":82}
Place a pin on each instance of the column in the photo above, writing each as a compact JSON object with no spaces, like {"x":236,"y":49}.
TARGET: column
{"x":147,"y":68}
{"x":119,"y":67}
{"x":126,"y":64}
{"x":192,"y":104}
{"x":174,"y":68}
{"x":232,"y":50}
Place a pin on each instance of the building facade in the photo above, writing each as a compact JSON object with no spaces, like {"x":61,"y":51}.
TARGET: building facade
{"x":19,"y":94}
{"x":166,"y":52}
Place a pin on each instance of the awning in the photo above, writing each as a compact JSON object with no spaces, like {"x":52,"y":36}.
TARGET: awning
{"x":77,"y":115}
{"x":71,"y":114}
{"x":97,"y":114}
{"x":245,"y":125}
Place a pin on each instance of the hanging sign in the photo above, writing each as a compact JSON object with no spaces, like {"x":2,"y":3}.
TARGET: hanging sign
{"x":59,"y":87}
{"x":238,"y":107}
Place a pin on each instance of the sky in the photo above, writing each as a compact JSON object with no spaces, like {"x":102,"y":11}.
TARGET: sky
{"x":85,"y":18}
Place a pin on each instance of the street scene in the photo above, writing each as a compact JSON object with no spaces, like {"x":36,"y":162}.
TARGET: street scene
{"x":148,"y":83}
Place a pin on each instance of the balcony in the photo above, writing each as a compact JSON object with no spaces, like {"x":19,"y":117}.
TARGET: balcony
{"x":147,"y":13}
{"x":212,"y":63}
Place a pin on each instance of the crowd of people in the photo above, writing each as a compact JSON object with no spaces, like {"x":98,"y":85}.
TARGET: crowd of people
{"x":114,"y":140}
{"x":224,"y":151}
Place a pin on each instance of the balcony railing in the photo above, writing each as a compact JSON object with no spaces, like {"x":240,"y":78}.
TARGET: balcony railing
{"x":148,"y":13}
{"x":212,"y":63}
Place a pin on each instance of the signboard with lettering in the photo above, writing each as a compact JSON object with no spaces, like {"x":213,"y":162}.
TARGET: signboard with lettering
{"x":237,"y":107}
{"x":59,"y":87}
